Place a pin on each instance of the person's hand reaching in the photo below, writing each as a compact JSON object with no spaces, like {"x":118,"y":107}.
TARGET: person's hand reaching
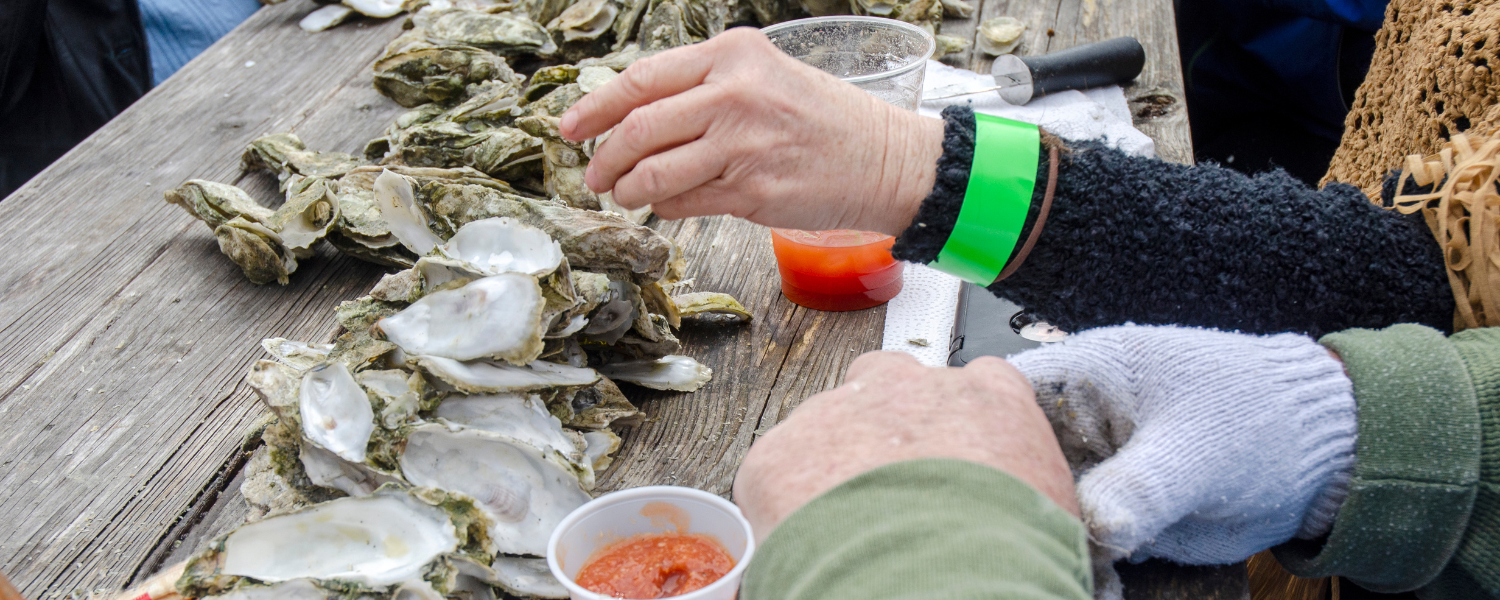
{"x":735,"y":126}
{"x":892,"y":409}
{"x":1194,"y":445}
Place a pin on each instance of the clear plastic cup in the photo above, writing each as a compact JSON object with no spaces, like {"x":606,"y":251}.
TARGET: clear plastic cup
{"x":651,"y":509}
{"x":884,"y":57}
{"x":825,"y":270}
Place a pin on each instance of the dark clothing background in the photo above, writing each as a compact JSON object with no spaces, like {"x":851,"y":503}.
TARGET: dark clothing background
{"x":1270,"y":81}
{"x":66,"y":68}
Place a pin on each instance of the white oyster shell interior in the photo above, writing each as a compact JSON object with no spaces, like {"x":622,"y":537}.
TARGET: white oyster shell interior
{"x":503,"y":245}
{"x":672,"y":372}
{"x":325,"y":17}
{"x":378,"y":540}
{"x":297,"y":355}
{"x":326,"y":469}
{"x":498,"y":316}
{"x":478,"y":376}
{"x":296,"y":589}
{"x":379,"y":9}
{"x":523,"y":417}
{"x":336,"y":414}
{"x":398,"y":206}
{"x":524,"y":491}
{"x":527,"y":577}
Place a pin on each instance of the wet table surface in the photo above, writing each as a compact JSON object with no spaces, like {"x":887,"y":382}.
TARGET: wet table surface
{"x":125,"y":335}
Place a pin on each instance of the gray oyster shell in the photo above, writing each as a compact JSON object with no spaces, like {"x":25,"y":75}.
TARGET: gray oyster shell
{"x":216,"y":203}
{"x":285,"y":155}
{"x":506,"y":34}
{"x":257,"y":250}
{"x":436,"y":73}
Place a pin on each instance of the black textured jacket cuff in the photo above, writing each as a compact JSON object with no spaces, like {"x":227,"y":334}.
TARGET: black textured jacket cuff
{"x":929,"y":230}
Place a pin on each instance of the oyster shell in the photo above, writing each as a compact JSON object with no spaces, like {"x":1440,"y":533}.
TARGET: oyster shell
{"x":1000,"y":35}
{"x":257,"y":250}
{"x":506,"y":34}
{"x":600,"y":447}
{"x":664,"y":26}
{"x":393,"y":195}
{"x":335,"y":413}
{"x":526,"y":577}
{"x":298,"y":355}
{"x":325,"y":18}
{"x":295,"y":589}
{"x":698,"y":303}
{"x":493,"y":150}
{"x":328,"y":470}
{"x":525,"y":491}
{"x":949,"y":44}
{"x":426,"y":73}
{"x":585,"y":20}
{"x":503,"y":245}
{"x":523,"y":417}
{"x":216,"y":203}
{"x":311,"y":208}
{"x":485,"y":376}
{"x":403,"y":393}
{"x":673,"y":372}
{"x":498,"y":316}
{"x":285,"y":155}
{"x":957,"y":9}
{"x":388,"y":537}
{"x":379,"y":9}
{"x":546,"y":79}
{"x":594,"y":408}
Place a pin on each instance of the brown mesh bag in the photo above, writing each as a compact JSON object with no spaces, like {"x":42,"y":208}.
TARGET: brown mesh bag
{"x":1463,"y":212}
{"x":1432,"y":76}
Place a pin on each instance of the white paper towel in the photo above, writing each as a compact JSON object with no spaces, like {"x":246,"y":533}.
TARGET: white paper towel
{"x":926,"y":306}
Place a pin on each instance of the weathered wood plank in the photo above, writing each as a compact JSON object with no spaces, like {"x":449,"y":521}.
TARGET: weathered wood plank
{"x":125,"y":333}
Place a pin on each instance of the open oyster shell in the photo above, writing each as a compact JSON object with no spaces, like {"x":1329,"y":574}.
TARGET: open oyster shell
{"x":523,"y":417}
{"x":311,"y":208}
{"x":370,"y":543}
{"x":499,"y":316}
{"x":698,"y":303}
{"x":485,"y":376}
{"x":335,"y":412}
{"x":525,"y":491}
{"x":675,"y":372}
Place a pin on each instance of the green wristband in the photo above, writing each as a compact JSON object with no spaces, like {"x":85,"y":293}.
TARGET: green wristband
{"x":1001,"y":181}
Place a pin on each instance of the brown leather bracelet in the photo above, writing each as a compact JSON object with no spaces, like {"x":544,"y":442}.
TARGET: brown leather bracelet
{"x":1041,"y":217}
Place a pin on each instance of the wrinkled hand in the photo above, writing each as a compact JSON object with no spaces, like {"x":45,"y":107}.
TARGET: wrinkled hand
{"x":891,"y":409}
{"x":735,"y":126}
{"x":1195,"y":445}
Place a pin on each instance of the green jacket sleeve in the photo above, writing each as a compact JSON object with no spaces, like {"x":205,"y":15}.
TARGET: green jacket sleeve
{"x":932,"y":529}
{"x":1423,"y":511}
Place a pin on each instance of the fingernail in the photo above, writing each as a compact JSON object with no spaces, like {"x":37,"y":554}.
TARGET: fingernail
{"x":569,"y":121}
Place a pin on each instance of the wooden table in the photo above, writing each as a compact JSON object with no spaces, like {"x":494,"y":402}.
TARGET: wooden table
{"x":125,"y":335}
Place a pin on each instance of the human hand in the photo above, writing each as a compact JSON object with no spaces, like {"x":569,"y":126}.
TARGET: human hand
{"x":1195,"y":445}
{"x":892,"y":409}
{"x":735,"y":126}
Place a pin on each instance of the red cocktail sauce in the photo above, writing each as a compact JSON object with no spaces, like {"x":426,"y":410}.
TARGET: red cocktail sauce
{"x":836,"y":270}
{"x":655,"y":565}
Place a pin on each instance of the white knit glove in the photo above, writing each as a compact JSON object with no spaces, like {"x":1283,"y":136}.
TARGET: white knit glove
{"x":1194,"y":445}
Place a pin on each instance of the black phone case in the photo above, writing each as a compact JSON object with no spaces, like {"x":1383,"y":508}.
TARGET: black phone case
{"x":982,"y":327}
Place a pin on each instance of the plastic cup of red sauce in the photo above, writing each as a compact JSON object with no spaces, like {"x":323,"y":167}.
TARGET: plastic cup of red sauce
{"x":837,"y":269}
{"x":696,"y":523}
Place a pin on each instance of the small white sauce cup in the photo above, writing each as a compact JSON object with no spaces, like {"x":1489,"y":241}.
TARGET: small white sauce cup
{"x":652,"y":509}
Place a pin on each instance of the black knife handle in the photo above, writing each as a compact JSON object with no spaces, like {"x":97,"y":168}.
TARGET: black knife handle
{"x":1091,"y":65}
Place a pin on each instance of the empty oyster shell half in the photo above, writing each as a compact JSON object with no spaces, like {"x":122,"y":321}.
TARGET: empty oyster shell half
{"x":586,"y":20}
{"x":526,"y":577}
{"x":503,"y":245}
{"x":311,"y":208}
{"x":379,"y":9}
{"x":298,"y":355}
{"x":526,"y":491}
{"x":393,"y":194}
{"x":385,"y":538}
{"x":336,"y":414}
{"x":672,"y":372}
{"x":326,"y":469}
{"x":499,"y":316}
{"x":484,"y":376}
{"x":216,"y":203}
{"x":697,"y":303}
{"x":1000,"y":35}
{"x":522,"y":417}
{"x":325,"y":18}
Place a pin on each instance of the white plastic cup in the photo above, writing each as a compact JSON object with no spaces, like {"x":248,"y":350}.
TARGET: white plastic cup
{"x":885,"y":57}
{"x":651,"y":509}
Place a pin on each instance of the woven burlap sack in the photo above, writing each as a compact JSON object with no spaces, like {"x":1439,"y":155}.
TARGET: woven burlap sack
{"x":1432,"y":76}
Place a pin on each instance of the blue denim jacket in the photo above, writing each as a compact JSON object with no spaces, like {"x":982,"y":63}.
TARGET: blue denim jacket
{"x":178,"y":30}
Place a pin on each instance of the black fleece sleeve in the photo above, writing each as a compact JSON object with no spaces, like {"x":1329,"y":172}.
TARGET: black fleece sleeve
{"x":1141,"y":240}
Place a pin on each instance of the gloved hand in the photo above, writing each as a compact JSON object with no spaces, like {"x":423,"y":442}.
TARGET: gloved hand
{"x":1195,"y":445}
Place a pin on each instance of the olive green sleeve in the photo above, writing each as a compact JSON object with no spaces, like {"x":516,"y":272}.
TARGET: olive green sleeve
{"x":932,"y":529}
{"x":1417,"y":469}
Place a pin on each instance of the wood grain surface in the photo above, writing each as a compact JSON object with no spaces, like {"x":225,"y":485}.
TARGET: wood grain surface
{"x":125,"y":334}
